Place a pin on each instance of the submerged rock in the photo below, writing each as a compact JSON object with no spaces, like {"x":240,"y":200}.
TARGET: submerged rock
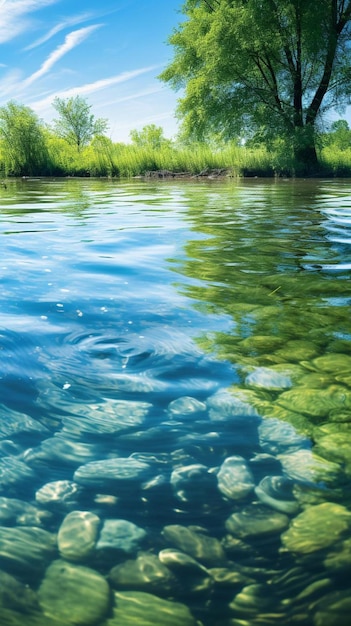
{"x":107,"y":417}
{"x":77,"y":535}
{"x":333,"y":362}
{"x":307,"y":467}
{"x":206,"y":549}
{"x":59,"y":494}
{"x":316,"y":528}
{"x":225,"y":406}
{"x":193,"y":484}
{"x":14,"y":512}
{"x":277,"y":436}
{"x":186,"y":407}
{"x":256,"y":520}
{"x":277,"y":492}
{"x":298,"y":350}
{"x":145,"y":573}
{"x":235,"y":479}
{"x":14,"y":423}
{"x":316,"y":403}
{"x":26,"y":550}
{"x":334,"y":609}
{"x":339,"y":558}
{"x":15,"y":595}
{"x":144,"y":609}
{"x":268,"y":378}
{"x":74,"y":594}
{"x":120,"y":535}
{"x":116,"y":473}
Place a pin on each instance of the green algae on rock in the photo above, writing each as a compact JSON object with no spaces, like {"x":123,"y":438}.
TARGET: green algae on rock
{"x":316,"y":528}
{"x":74,"y":593}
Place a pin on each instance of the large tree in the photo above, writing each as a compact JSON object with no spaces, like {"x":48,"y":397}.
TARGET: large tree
{"x":274,"y":66}
{"x":76,"y":124}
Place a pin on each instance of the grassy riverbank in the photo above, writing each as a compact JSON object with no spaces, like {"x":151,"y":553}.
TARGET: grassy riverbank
{"x":105,"y":158}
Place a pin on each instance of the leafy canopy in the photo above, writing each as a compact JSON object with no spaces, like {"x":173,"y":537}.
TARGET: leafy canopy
{"x":273,"y":66}
{"x":76,"y":124}
{"x":150,"y":136}
{"x":22,"y":139}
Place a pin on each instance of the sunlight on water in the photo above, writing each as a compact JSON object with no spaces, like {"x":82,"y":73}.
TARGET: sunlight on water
{"x":175,"y":408}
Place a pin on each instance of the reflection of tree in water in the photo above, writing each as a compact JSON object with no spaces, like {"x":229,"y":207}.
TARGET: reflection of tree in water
{"x":259,"y":238}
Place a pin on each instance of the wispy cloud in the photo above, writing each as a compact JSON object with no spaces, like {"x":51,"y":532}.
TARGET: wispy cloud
{"x":67,"y":23}
{"x":14,"y":16}
{"x":90,"y":88}
{"x":72,"y":40}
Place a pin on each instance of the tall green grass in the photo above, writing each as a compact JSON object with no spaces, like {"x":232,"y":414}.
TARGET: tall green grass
{"x":105,"y":158}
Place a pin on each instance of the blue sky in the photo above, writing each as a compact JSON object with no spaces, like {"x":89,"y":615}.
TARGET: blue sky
{"x":109,"y":52}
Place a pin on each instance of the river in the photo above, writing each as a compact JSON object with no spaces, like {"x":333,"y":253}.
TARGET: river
{"x":175,"y":409}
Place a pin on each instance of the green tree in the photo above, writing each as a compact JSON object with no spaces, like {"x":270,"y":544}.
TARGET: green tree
{"x":267,"y":66}
{"x":23,"y":143}
{"x":150,"y":136}
{"x":339,"y":136}
{"x":76,"y":124}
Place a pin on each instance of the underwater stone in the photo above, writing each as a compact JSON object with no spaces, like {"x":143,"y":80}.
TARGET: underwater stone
{"x":186,"y":406}
{"x":277,"y":436}
{"x":260,"y":344}
{"x":204,"y":548}
{"x":108,"y":417}
{"x":77,"y":535}
{"x":334,"y":609}
{"x":15,"y":595}
{"x":267,"y":378}
{"x":306,"y":466}
{"x":121,"y":535}
{"x":193,"y":483}
{"x":26,"y":550}
{"x":333,"y":362}
{"x":256,"y":520}
{"x":60,"y":449}
{"x":144,"y":609}
{"x":235,"y":479}
{"x":59,"y":494}
{"x":17,"y":512}
{"x":298,"y":350}
{"x":316,"y":528}
{"x":277,"y":492}
{"x":336,"y":447}
{"x":112,"y":473}
{"x":225,"y":406}
{"x":14,"y":473}
{"x":339,"y":559}
{"x":74,"y":593}
{"x":316,"y":403}
{"x":181,"y":562}
{"x":14,"y":423}
{"x":145,"y":573}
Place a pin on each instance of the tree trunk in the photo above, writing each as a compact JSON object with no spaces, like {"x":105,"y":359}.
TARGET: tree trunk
{"x":307,"y":161}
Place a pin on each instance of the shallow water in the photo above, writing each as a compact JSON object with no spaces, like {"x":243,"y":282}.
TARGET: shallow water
{"x":175,"y":410}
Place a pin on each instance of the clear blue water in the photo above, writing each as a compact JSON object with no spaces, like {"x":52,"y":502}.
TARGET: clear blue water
{"x":202,"y":330}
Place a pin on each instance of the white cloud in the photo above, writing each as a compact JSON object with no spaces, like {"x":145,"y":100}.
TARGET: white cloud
{"x":14,"y":14}
{"x":67,"y":23}
{"x":71,"y":41}
{"x":90,"y":88}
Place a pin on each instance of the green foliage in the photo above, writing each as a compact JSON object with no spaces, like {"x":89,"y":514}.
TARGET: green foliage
{"x":23,"y":148}
{"x":76,"y":124}
{"x":248,"y":65}
{"x":150,"y":136}
{"x":339,"y":137}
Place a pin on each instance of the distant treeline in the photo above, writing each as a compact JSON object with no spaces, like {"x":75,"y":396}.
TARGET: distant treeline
{"x":28,"y":147}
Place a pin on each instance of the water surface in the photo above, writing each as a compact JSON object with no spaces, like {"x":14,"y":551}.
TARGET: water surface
{"x":175,"y":379}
